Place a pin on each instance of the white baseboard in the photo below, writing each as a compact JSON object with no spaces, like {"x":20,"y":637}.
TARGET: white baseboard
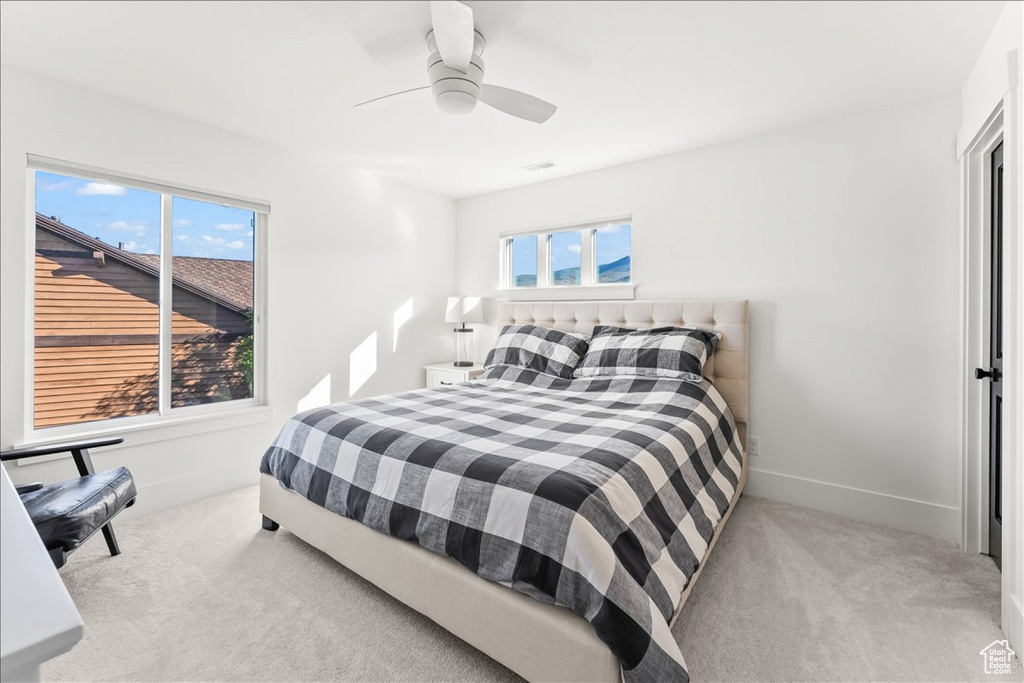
{"x":1013,"y":623}
{"x":939,"y":521}
{"x":186,"y":489}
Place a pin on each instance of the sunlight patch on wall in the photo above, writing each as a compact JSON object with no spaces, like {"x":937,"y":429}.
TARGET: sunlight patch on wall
{"x":362,"y":363}
{"x":319,"y":395}
{"x":465,"y":307}
{"x":401,"y":317}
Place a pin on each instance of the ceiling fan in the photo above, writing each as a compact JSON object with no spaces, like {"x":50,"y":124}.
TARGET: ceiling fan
{"x":456,"y":70}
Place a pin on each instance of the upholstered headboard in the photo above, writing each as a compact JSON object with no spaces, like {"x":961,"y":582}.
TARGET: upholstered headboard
{"x":727,"y":368}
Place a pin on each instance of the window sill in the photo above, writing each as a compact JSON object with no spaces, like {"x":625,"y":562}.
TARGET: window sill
{"x":153,"y":430}
{"x":569,"y":293}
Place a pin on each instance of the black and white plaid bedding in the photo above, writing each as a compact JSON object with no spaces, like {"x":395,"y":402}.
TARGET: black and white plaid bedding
{"x":677,"y":352}
{"x":543,"y":349}
{"x":600,"y":494}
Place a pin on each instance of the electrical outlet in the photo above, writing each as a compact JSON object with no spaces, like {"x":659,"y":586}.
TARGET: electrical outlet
{"x":753,"y":446}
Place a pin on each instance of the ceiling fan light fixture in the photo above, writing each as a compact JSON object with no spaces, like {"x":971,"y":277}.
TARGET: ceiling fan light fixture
{"x":455,"y":92}
{"x":455,"y":102}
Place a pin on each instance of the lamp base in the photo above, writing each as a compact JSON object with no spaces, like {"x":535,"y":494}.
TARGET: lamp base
{"x":464,"y":347}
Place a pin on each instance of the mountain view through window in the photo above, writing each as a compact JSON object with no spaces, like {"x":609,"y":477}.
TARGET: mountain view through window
{"x":608,"y":258}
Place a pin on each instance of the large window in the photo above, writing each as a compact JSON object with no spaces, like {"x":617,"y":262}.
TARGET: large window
{"x":146,"y":299}
{"x":591,"y":254}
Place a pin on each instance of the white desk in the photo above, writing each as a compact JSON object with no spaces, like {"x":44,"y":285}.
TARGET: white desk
{"x":38,"y":619}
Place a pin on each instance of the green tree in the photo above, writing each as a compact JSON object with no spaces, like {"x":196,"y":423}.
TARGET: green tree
{"x":245,"y":352}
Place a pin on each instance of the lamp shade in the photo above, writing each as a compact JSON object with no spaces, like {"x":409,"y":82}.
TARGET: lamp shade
{"x":464,"y":309}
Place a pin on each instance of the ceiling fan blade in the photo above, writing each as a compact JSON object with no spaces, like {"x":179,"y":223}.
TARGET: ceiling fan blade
{"x":453,"y":32}
{"x":517,"y":103}
{"x":384,"y":97}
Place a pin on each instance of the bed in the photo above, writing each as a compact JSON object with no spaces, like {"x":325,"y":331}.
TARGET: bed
{"x":511,"y":617}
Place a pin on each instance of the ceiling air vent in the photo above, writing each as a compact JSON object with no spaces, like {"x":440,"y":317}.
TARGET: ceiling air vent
{"x":539,"y":167}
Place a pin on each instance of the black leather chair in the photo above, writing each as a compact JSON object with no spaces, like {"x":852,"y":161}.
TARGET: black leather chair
{"x":67,"y":513}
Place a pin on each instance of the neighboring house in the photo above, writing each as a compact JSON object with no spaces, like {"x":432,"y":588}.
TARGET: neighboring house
{"x":97,"y":325}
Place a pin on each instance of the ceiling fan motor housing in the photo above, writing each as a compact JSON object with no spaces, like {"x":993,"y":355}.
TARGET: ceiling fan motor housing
{"x":455,"y":92}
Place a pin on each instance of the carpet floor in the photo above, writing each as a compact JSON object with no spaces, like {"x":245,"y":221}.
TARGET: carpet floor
{"x":202,"y":593}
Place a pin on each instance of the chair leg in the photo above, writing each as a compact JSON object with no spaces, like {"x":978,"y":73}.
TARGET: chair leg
{"x":269,"y":524}
{"x":59,"y":557}
{"x":108,"y":533}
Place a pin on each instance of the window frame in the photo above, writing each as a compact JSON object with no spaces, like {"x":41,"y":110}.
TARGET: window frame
{"x":241,"y":411}
{"x":588,"y":261}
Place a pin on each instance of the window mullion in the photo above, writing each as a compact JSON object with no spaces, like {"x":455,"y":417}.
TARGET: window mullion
{"x":506,"y":263}
{"x":543,"y":260}
{"x":588,"y":265}
{"x":166,"y":292}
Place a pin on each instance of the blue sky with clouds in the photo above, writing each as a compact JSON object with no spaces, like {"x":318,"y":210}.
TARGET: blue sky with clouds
{"x":565,"y":250}
{"x":613,"y":242}
{"x":524,"y":255}
{"x":122,"y":215}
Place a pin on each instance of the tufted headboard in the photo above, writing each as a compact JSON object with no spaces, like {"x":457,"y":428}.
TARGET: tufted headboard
{"x":727,"y":368}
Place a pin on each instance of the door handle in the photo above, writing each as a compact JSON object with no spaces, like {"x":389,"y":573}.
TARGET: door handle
{"x":991,"y":373}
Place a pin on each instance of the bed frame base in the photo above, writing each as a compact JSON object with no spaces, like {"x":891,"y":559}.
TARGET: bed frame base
{"x":538,"y":641}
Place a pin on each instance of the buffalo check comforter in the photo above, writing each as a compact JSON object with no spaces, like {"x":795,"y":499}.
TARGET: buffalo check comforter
{"x":597,"y":494}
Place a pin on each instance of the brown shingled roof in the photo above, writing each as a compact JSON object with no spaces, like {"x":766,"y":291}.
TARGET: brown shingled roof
{"x":223,"y":281}
{"x":227,"y":278}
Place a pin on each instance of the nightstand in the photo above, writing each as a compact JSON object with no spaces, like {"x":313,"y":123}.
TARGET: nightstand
{"x":445,"y":374}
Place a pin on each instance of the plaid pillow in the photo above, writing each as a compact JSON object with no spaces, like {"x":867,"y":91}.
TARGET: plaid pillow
{"x":539,"y":348}
{"x":676,"y":352}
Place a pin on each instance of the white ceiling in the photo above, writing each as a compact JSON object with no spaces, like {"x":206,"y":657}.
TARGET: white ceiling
{"x":631,"y":79}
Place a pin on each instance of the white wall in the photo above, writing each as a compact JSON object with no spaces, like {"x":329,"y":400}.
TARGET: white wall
{"x":844,"y":236}
{"x":346,"y":251}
